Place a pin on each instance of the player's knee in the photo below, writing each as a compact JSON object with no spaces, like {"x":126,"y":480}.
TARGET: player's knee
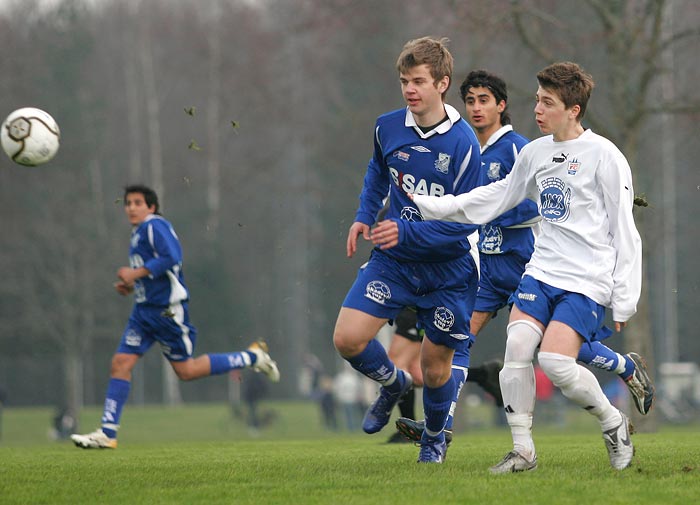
{"x":523,"y":339}
{"x":562,"y":370}
{"x":122,"y":364}
{"x":347,"y":345}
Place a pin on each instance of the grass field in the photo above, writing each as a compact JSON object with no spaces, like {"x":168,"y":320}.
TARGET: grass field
{"x":199,"y":454}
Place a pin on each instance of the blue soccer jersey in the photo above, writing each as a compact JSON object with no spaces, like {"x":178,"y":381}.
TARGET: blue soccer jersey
{"x":444,"y":161}
{"x":155,"y":245}
{"x":499,"y":236}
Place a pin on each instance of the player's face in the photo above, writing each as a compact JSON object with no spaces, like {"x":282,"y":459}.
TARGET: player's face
{"x":137,"y":209}
{"x":483,"y":112}
{"x":423,"y":95}
{"x":552,"y":116}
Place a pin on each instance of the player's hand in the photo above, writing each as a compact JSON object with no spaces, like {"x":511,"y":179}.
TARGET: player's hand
{"x":356,"y":229}
{"x":127,"y":275}
{"x":123,"y":288}
{"x":619,"y":326}
{"x":386,"y":234}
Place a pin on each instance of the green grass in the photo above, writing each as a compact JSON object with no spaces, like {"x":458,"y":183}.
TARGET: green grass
{"x":198,"y":454}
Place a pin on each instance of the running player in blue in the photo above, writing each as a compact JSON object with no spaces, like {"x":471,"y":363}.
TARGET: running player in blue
{"x":154,"y":276}
{"x":506,"y":243}
{"x":425,"y":148}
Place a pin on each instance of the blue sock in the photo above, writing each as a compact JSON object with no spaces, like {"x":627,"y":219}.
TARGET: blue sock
{"x":117,"y":394}
{"x":374,"y":363}
{"x":460,"y":369}
{"x":224,"y":362}
{"x":601,"y":356}
{"x":436,"y":405}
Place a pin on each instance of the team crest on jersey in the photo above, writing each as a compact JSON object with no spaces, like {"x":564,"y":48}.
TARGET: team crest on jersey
{"x":378,"y":292}
{"x":411,"y":214}
{"x":443,"y":163}
{"x":494,"y":171}
{"x":420,"y":149}
{"x":401,"y":155}
{"x":555,"y":200}
{"x":492,"y":239}
{"x":574,"y":165}
{"x":443,"y":319}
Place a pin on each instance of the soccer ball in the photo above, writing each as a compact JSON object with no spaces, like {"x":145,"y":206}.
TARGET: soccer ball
{"x":29,"y":136}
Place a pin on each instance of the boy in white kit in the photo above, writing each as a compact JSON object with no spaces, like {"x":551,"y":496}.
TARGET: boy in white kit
{"x":588,"y":256}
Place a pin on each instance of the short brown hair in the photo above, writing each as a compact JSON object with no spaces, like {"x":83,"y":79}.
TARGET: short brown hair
{"x":570,"y":82}
{"x":427,"y":51}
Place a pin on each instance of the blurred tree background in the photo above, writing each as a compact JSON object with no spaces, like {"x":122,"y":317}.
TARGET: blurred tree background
{"x":253,"y":120}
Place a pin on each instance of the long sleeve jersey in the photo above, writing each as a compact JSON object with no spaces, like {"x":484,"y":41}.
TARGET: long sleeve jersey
{"x":506,"y":233}
{"x":442,"y":161}
{"x":155,"y":245}
{"x":588,"y":241}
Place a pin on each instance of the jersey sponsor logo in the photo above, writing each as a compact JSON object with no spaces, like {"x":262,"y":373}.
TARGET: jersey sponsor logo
{"x":401,"y":155}
{"x":574,"y":165}
{"x":421,"y":149}
{"x":442,"y":164}
{"x":560,"y":159}
{"x":378,"y":292}
{"x":409,"y":184}
{"x":494,"y":171}
{"x":132,"y":338}
{"x":555,"y":200}
{"x":491,"y":239}
{"x":411,"y":214}
{"x":528,"y":297}
{"x":443,"y":319}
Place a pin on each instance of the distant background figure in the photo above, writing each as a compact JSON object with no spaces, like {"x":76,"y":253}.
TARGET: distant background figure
{"x":348,"y":390}
{"x":326,"y":401}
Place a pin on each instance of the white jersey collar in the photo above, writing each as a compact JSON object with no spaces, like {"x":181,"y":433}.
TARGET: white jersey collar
{"x":496,"y":135}
{"x":453,"y":116}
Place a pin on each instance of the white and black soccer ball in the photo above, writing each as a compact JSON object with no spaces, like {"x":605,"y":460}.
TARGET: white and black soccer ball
{"x":30,"y":136}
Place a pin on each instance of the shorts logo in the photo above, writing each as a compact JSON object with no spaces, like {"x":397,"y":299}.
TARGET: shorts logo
{"x":494,"y":172}
{"x":132,"y":338}
{"x":411,"y":214}
{"x":555,"y":200}
{"x":378,"y":292}
{"x":491,"y":239}
{"x":442,"y":164}
{"x":528,"y":297}
{"x":444,"y":319}
{"x":459,"y":336}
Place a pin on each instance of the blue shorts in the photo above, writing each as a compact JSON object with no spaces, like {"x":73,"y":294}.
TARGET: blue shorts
{"x":500,"y":276}
{"x":547,"y":303}
{"x":170,"y":327}
{"x":443,"y":294}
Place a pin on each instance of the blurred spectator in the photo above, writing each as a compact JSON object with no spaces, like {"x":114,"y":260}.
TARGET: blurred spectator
{"x":348,"y":390}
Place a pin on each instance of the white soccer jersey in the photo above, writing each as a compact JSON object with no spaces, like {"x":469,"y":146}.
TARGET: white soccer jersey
{"x":588,"y":242}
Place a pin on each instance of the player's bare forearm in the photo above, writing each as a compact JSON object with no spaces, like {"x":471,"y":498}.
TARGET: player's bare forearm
{"x":128,"y":275}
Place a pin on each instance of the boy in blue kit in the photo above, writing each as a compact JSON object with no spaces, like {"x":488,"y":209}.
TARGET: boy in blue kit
{"x":425,"y":148}
{"x":159,"y":315}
